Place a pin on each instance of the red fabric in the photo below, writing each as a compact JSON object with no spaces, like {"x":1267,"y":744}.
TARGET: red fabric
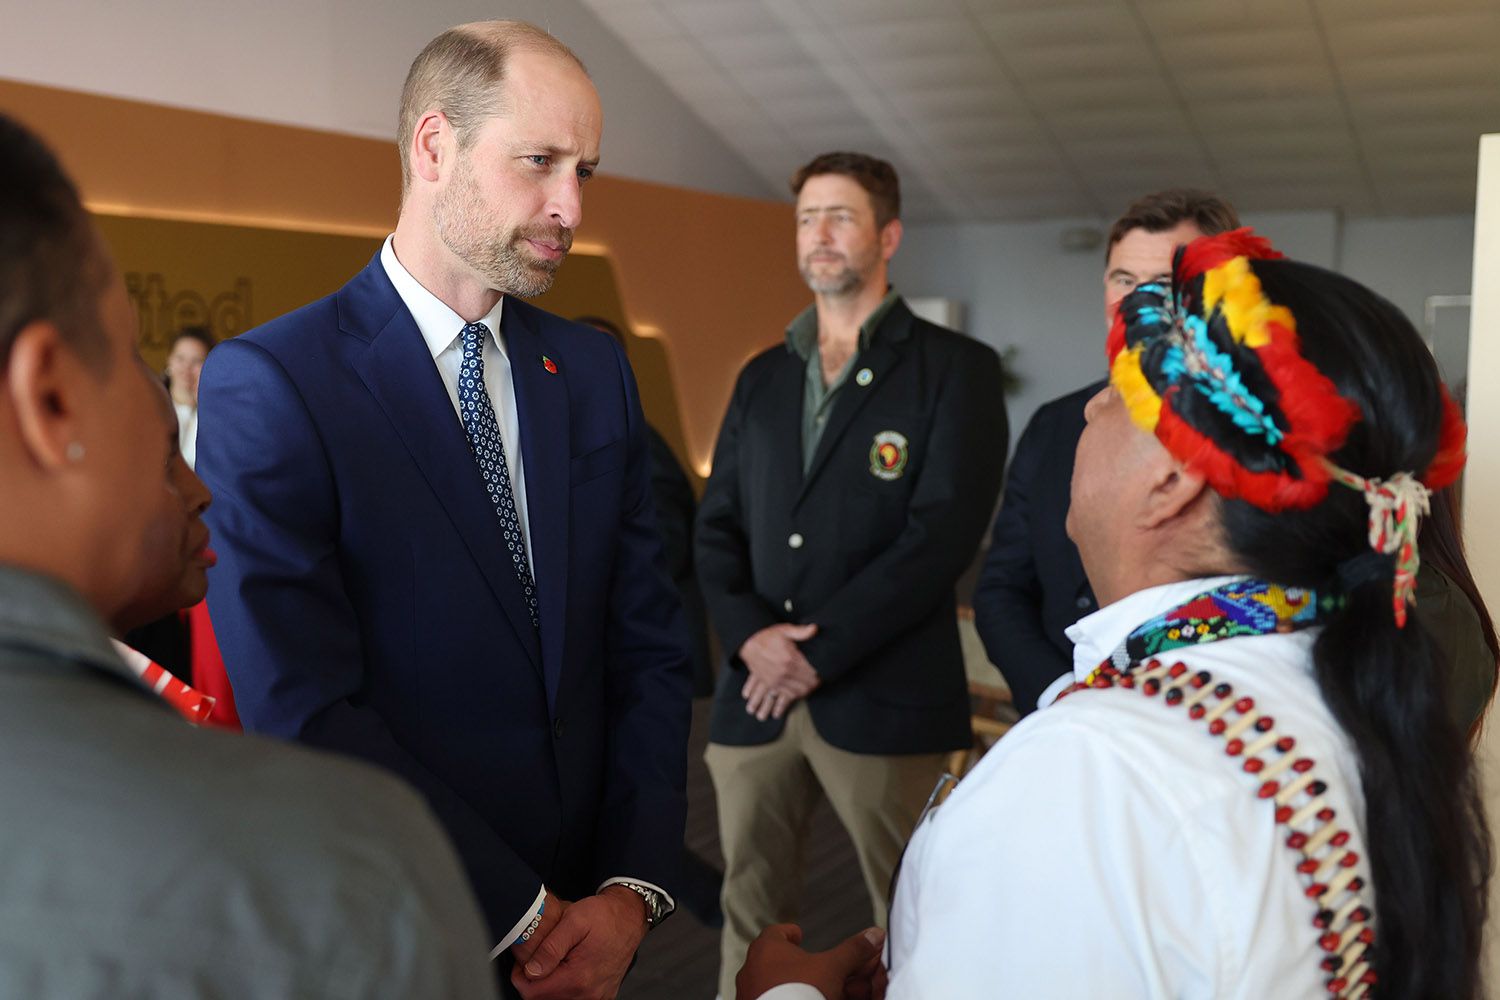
{"x":209,"y":675}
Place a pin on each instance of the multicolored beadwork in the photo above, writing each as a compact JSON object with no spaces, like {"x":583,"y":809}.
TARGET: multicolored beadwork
{"x":1241,"y":607}
{"x":1289,"y":782}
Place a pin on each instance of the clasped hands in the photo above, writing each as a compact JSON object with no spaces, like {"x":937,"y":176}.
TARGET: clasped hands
{"x":582,"y":950}
{"x":851,"y":970}
{"x":779,"y":673}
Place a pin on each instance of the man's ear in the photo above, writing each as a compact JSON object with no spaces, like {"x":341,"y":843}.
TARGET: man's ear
{"x":431,"y":145}
{"x":890,"y":239}
{"x":1175,"y":489}
{"x":42,"y":383}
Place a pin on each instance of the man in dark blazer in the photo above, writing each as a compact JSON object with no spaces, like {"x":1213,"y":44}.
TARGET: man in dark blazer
{"x":1032,"y":585}
{"x":437,"y":545}
{"x":852,"y":479}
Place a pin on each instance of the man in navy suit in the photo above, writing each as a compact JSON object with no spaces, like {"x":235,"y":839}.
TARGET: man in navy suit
{"x":1032,"y":585}
{"x":437,"y":545}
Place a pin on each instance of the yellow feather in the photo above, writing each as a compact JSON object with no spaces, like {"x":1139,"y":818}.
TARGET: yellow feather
{"x":1140,"y":399}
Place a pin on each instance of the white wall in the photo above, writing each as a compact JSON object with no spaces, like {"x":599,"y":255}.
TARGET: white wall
{"x":1019,"y":287}
{"x":338,"y":65}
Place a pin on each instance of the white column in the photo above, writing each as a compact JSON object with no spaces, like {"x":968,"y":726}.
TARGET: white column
{"x":1482,"y":481}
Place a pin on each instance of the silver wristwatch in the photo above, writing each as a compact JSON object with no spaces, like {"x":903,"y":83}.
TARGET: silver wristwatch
{"x":657,"y":908}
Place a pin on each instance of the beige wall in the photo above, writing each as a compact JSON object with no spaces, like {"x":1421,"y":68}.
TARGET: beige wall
{"x":1482,"y":481}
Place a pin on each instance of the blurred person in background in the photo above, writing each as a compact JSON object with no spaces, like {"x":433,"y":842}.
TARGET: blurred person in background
{"x":184,"y":363}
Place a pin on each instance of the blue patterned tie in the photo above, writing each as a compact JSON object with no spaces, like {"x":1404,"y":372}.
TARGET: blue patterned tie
{"x":489,"y":453}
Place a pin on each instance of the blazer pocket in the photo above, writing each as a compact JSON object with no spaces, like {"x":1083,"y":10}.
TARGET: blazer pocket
{"x":596,"y":463}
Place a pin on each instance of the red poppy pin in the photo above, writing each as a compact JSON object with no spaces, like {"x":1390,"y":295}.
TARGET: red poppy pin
{"x":549,"y":364}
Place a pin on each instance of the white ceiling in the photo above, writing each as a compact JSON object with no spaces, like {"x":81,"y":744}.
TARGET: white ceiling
{"x":1016,"y":109}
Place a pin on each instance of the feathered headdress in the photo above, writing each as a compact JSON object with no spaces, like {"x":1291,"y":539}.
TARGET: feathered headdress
{"x":1214,"y":369}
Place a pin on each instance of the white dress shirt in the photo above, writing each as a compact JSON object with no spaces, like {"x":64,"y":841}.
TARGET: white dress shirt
{"x":187,"y":432}
{"x":1107,"y":847}
{"x":441,"y":328}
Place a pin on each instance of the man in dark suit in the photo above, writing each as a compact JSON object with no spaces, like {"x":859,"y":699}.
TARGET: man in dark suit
{"x":1032,"y":585}
{"x":852,"y":479}
{"x":438,"y":550}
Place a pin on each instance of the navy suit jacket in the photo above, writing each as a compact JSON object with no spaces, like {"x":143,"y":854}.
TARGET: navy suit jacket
{"x":365,"y":602}
{"x":1032,"y":585}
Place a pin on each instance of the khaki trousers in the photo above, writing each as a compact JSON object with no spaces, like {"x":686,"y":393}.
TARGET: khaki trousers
{"x":766,"y":796}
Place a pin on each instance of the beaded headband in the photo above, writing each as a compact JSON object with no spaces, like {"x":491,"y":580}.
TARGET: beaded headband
{"x":1214,"y":369}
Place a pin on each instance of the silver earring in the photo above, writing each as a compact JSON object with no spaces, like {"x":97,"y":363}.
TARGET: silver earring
{"x":75,"y":452}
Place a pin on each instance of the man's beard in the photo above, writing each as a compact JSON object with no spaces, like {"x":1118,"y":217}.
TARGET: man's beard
{"x":841,"y":282}
{"x":503,"y":260}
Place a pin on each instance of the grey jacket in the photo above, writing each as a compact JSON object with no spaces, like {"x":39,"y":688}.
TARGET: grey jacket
{"x":140,"y":857}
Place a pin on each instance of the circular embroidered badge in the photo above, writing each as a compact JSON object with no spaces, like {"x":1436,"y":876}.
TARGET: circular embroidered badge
{"x":888,"y":455}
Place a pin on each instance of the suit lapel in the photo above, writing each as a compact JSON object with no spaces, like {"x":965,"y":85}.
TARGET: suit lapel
{"x":782,"y":421}
{"x":542,"y":405}
{"x":398,"y":370}
{"x":879,"y":358}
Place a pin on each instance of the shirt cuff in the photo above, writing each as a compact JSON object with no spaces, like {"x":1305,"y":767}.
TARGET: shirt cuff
{"x":671,"y":903}
{"x":1054,"y":689}
{"x":521,"y":925}
{"x":791,"y":991}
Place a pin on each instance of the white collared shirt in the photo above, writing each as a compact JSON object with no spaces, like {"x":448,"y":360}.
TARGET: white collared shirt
{"x":187,"y":432}
{"x":1108,"y":847}
{"x":441,"y":328}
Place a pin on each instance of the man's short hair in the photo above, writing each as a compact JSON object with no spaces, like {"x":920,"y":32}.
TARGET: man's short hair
{"x":459,"y":73}
{"x":201,"y":334}
{"x":52,"y":266}
{"x":1163,"y":210}
{"x":875,"y":175}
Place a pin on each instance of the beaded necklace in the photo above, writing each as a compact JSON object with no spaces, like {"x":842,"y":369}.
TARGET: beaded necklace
{"x":1325,"y":862}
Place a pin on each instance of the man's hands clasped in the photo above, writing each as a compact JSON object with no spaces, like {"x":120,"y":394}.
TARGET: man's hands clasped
{"x":779,"y":674}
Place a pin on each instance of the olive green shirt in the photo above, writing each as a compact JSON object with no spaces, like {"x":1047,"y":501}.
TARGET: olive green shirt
{"x":817,"y":397}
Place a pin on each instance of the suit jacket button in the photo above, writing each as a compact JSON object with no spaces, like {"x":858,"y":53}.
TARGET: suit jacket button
{"x":557,"y":727}
{"x":1085,"y":602}
{"x":787,"y":604}
{"x":795,"y":541}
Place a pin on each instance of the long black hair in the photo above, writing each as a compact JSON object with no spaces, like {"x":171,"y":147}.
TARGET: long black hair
{"x":1426,"y":833}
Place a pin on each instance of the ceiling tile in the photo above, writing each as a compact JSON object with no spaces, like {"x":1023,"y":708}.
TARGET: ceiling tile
{"x":930,"y":72}
{"x":1059,"y":24}
{"x":933,"y":36}
{"x":715,"y":18}
{"x":642,"y":19}
{"x":960,"y":101}
{"x":1021,"y":108}
{"x":1337,"y":12}
{"x":1256,"y":82}
{"x":1069,"y":62}
{"x":1175,"y":21}
{"x":1121,"y":121}
{"x":754,"y":50}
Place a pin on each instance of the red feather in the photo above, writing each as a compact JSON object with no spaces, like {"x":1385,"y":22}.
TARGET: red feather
{"x":1208,"y":252}
{"x":1452,"y":447}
